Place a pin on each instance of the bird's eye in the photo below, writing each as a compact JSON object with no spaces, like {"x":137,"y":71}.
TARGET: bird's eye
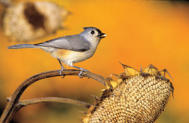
{"x":92,"y":32}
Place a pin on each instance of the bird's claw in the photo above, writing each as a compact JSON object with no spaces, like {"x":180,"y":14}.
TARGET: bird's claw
{"x":61,"y":72}
{"x":81,"y":72}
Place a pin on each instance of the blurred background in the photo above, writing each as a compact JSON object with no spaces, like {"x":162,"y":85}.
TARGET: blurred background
{"x":139,"y":32}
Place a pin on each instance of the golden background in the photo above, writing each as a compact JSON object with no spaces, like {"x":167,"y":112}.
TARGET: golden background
{"x":138,"y":33}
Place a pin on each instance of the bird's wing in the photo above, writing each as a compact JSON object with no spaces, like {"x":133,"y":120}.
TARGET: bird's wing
{"x":75,"y":43}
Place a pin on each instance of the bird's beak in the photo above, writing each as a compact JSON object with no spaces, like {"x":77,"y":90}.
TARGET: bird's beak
{"x":102,"y":35}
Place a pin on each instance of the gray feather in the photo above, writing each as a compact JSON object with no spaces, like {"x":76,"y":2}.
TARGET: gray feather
{"x":75,"y":43}
{"x":19,"y":46}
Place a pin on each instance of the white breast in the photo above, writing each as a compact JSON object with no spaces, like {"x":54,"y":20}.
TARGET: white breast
{"x":74,"y":56}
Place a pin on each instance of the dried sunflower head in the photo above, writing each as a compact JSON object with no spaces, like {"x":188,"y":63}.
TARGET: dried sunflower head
{"x":134,"y":97}
{"x":27,"y":21}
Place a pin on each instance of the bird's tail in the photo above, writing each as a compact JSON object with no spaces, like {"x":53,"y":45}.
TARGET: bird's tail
{"x":19,"y":46}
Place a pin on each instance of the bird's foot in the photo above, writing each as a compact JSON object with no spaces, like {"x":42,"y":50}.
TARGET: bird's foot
{"x":61,"y":72}
{"x":81,"y":72}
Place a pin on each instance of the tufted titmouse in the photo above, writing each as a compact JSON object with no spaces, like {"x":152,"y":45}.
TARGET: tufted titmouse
{"x":70,"y":49}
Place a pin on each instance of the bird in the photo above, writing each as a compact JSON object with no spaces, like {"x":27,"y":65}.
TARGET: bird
{"x":70,"y":49}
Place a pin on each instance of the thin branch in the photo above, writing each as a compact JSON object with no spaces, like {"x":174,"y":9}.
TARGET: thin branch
{"x":27,"y":102}
{"x":11,"y":107}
